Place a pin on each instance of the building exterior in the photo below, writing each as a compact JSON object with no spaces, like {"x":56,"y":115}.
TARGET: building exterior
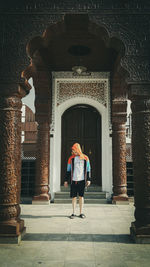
{"x":28,"y":153}
{"x":86,"y":59}
{"x":28,"y":132}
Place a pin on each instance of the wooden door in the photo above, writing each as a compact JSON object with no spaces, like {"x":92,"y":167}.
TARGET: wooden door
{"x":82,"y":124}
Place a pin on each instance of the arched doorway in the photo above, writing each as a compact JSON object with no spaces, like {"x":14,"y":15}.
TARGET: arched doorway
{"x":82,"y":124}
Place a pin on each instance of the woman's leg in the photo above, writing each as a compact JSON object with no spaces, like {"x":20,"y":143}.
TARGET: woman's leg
{"x":81,"y":202}
{"x":74,"y":201}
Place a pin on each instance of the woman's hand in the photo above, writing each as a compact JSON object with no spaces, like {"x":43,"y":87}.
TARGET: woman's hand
{"x":65,"y":184}
{"x":88,"y":183}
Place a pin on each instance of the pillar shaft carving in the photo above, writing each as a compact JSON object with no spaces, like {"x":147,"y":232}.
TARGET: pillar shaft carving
{"x":119,"y":151}
{"x":42,"y":83}
{"x":10,"y":165}
{"x":141,"y":159}
{"x":42,"y":161}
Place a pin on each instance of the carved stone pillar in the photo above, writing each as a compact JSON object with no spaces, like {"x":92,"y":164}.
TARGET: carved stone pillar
{"x":43,"y":85}
{"x":11,"y":226}
{"x":119,"y":151}
{"x":42,"y":162}
{"x":140,"y":96}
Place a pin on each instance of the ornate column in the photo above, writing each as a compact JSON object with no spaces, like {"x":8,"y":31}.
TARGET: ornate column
{"x":42,"y":161}
{"x":42,"y":83}
{"x":140,"y":96}
{"x":119,"y":151}
{"x":11,"y":226}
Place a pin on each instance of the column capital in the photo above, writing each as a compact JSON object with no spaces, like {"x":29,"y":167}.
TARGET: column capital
{"x":139,"y":90}
{"x":20,"y":89}
{"x":42,"y":118}
{"x":119,"y":111}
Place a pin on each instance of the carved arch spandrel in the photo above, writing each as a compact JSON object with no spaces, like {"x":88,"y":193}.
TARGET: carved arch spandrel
{"x":133,"y":32}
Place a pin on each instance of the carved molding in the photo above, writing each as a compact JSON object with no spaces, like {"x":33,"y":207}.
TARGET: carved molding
{"x":45,"y":6}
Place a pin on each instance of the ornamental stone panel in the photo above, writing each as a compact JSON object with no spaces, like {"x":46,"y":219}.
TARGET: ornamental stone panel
{"x":96,"y":90}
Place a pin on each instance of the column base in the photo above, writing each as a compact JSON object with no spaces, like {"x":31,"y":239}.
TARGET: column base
{"x":41,"y":200}
{"x":12,"y":232}
{"x":140,"y":235}
{"x":120,"y":200}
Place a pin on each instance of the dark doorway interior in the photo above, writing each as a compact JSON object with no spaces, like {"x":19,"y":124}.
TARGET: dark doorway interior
{"x":28,"y":178}
{"x":82,"y":124}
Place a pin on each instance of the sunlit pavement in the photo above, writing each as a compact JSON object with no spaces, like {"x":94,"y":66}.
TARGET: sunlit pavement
{"x":53,"y":239}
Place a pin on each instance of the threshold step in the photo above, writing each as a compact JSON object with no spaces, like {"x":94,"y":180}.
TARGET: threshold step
{"x":91,"y":188}
{"x":86,"y":201}
{"x":96,"y":195}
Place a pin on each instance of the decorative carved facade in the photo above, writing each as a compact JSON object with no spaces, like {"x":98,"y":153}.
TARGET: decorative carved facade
{"x":133,"y":31}
{"x":96,"y":90}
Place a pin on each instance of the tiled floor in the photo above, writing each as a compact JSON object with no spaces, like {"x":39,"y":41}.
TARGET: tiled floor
{"x":53,"y":239}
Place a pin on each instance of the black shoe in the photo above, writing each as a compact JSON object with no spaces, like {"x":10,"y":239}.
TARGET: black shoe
{"x":82,"y":216}
{"x":72,"y":216}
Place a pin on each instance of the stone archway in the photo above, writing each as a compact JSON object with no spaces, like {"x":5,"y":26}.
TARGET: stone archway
{"x":64,"y":102}
{"x":134,"y":35}
{"x":99,"y":52}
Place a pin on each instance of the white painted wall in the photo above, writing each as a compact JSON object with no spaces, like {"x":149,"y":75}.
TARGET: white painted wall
{"x":30,"y":98}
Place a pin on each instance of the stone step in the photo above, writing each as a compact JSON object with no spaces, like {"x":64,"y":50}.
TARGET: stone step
{"x":92,"y":188}
{"x":93,"y":195}
{"x":87,"y":201}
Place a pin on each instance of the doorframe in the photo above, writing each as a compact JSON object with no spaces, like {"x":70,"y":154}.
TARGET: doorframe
{"x":81,"y":108}
{"x":56,"y":134}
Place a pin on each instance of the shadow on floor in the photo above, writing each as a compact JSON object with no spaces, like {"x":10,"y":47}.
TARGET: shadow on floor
{"x":40,"y":217}
{"x":78,"y":237}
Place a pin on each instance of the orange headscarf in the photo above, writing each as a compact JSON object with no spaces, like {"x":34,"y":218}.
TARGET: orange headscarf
{"x":76,"y":147}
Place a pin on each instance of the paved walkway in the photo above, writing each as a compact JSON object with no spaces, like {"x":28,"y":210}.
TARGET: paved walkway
{"x":52,"y":239}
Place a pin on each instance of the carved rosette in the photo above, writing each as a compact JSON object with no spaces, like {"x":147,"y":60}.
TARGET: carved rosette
{"x":10,"y":164}
{"x":140,"y":97}
{"x":119,"y":151}
{"x":42,"y":161}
